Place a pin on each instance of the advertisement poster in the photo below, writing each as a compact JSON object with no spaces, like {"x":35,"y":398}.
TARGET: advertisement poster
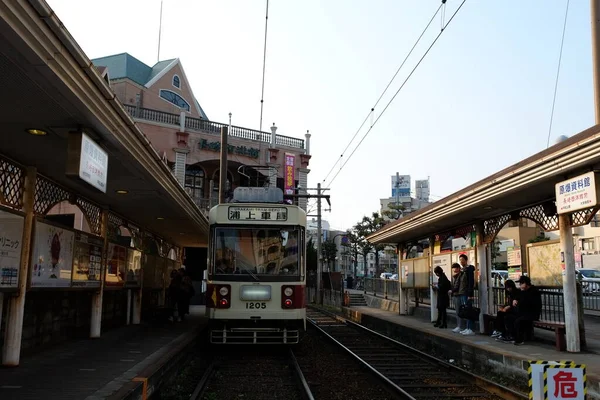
{"x":87,"y":261}
{"x":444,"y":261}
{"x":11,"y":235}
{"x":134,"y":266}
{"x":52,"y":256}
{"x":116,"y":266}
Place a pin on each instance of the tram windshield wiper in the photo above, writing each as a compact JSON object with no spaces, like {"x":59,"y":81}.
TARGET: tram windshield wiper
{"x":252,"y":274}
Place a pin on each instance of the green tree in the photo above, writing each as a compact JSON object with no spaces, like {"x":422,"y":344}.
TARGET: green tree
{"x":352,"y":247}
{"x":394,"y":211}
{"x":329,"y":252}
{"x":366,"y":227}
{"x":539,"y":238}
{"x":311,"y":256}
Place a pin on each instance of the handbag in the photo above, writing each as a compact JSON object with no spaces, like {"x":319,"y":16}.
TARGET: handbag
{"x":469,"y":312}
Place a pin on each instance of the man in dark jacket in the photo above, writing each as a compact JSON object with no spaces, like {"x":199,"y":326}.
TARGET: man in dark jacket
{"x":469,"y":271}
{"x":529,"y":308}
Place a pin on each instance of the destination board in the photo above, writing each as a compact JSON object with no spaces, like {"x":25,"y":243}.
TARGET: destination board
{"x":257,"y":213}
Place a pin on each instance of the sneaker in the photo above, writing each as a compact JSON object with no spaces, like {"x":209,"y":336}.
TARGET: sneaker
{"x":504,"y":339}
{"x":516,"y":343}
{"x":467,"y":332}
{"x":496,"y":334}
{"x":456,"y":330}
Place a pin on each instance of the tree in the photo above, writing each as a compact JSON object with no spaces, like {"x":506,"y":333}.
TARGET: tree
{"x":365,"y":228}
{"x":495,"y":253}
{"x":352,"y":247}
{"x":311,"y":256}
{"x":394,"y":211}
{"x":539,"y":238}
{"x":329,"y":251}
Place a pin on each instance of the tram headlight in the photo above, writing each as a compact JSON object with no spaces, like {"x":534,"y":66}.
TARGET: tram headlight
{"x":288,"y":291}
{"x":224,"y":291}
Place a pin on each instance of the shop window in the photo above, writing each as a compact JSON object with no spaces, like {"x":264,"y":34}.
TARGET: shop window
{"x":175,"y":99}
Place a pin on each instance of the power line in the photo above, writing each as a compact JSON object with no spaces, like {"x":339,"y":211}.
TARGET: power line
{"x":562,"y":41}
{"x":386,"y":88}
{"x":398,"y":91}
{"x":262,"y":94}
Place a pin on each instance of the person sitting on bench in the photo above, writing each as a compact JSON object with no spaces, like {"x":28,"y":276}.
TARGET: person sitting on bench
{"x":529,"y":308}
{"x":511,"y":294}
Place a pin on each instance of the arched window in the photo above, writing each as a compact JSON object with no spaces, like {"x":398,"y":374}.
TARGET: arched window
{"x":176,"y":82}
{"x":194,"y":182}
{"x":175,"y":99}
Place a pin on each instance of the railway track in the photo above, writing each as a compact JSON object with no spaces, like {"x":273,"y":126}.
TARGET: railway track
{"x":411,"y":373}
{"x":255,"y":374}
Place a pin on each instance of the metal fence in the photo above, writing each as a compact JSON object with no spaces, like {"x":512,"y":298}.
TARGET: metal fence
{"x":331,"y":298}
{"x":552,"y":302}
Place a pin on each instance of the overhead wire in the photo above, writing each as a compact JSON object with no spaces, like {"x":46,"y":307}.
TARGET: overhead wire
{"x":398,"y":91}
{"x":370,"y":114}
{"x":562,"y":41}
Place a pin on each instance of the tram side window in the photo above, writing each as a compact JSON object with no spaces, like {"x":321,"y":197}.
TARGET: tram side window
{"x":267,"y":251}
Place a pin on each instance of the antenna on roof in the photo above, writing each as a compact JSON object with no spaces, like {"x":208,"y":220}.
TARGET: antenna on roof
{"x":159,"y":31}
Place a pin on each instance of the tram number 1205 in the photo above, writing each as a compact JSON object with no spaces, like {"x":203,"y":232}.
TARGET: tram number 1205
{"x":256,"y":306}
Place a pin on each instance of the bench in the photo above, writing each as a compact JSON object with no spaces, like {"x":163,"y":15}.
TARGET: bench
{"x":559,"y":332}
{"x":558,"y":328}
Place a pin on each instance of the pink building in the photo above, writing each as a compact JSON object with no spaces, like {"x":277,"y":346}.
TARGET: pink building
{"x":163,"y":105}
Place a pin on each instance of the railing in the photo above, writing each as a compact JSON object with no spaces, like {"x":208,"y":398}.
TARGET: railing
{"x":198,"y":124}
{"x":552,"y":302}
{"x":331,"y":298}
{"x":386,"y":288}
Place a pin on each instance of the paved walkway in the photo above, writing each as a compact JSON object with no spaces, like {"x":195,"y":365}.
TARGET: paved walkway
{"x":94,"y":369}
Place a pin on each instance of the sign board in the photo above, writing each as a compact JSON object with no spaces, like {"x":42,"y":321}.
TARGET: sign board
{"x":87,"y":160}
{"x":514,"y":274}
{"x":445,"y":262}
{"x":513,"y":256}
{"x":577,"y":193}
{"x":565,"y":381}
{"x":236,"y":213}
{"x":536,"y":377}
{"x":11,"y":235}
{"x":51,"y":256}
{"x":290,"y":172}
{"x":87,"y":260}
{"x":400,"y":185}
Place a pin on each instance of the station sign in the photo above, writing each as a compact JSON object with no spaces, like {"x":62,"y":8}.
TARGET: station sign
{"x":87,"y":160}
{"x":577,"y":193}
{"x":235,"y":213}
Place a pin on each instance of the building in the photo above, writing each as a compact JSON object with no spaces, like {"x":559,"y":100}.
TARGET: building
{"x":163,"y":104}
{"x":401,"y":195}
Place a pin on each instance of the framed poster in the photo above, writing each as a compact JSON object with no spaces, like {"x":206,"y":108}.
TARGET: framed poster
{"x":87,"y":260}
{"x":134,"y":267}
{"x":116,"y":265}
{"x":51,"y":256}
{"x":11,"y":235}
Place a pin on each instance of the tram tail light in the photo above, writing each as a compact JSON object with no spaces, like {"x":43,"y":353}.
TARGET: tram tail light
{"x":218,"y":296}
{"x":292,"y":296}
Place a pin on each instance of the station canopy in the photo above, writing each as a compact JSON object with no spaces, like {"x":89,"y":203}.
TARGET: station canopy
{"x":49,"y":84}
{"x":527,"y":183}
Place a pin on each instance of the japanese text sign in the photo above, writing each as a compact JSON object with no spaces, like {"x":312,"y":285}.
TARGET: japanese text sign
{"x":576,"y":193}
{"x":289,"y":179}
{"x":257,"y":213}
{"x":564,"y":381}
{"x":536,"y":377}
{"x":11,"y":233}
{"x":87,"y":160}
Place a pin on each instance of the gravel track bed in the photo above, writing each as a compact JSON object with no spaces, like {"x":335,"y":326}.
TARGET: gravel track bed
{"x":332,"y":374}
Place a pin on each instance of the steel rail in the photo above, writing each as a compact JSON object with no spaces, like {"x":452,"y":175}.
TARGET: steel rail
{"x":491,"y":387}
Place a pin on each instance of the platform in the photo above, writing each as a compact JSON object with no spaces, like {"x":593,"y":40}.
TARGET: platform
{"x":477,"y":353}
{"x":102,"y":368}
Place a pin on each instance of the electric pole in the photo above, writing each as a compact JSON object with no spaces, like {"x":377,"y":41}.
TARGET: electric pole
{"x":319,"y":196}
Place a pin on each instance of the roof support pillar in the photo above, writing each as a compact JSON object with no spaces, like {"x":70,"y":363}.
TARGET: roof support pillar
{"x":97,"y":297}
{"x":567,"y":257}
{"x":402,"y":294}
{"x":432,"y":293}
{"x":482,"y":257}
{"x":11,"y":353}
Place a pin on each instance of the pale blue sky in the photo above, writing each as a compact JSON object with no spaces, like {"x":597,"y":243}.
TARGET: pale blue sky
{"x":479,"y":102}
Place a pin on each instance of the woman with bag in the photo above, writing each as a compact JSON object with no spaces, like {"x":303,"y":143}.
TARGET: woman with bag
{"x":443,"y":300}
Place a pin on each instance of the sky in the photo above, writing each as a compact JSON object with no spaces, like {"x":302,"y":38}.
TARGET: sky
{"x":480,"y":101}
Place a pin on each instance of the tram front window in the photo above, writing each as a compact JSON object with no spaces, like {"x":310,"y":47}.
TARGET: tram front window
{"x":267,"y":251}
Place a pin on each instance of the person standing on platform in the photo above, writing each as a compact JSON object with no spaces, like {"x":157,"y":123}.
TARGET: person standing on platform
{"x":469,"y":271}
{"x":443,"y":300}
{"x":458,"y":292}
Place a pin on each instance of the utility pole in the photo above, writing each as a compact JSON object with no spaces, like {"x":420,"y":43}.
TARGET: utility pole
{"x":319,"y":196}
{"x":223,"y":166}
{"x":595,"y":11}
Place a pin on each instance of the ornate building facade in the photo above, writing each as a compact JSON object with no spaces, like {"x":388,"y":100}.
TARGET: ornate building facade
{"x":163,"y":105}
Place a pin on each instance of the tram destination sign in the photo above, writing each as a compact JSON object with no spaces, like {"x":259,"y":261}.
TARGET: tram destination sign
{"x":236,"y":213}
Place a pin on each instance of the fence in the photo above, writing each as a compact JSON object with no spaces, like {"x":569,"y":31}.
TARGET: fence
{"x":552,"y":302}
{"x":331,"y":298}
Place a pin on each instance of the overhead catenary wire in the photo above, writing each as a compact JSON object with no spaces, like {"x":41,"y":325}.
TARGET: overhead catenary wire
{"x":262,"y":94}
{"x":370,"y":114}
{"x":398,"y":91}
{"x":562,"y":41}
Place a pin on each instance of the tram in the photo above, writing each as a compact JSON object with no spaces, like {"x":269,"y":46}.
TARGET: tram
{"x":256,"y":272}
